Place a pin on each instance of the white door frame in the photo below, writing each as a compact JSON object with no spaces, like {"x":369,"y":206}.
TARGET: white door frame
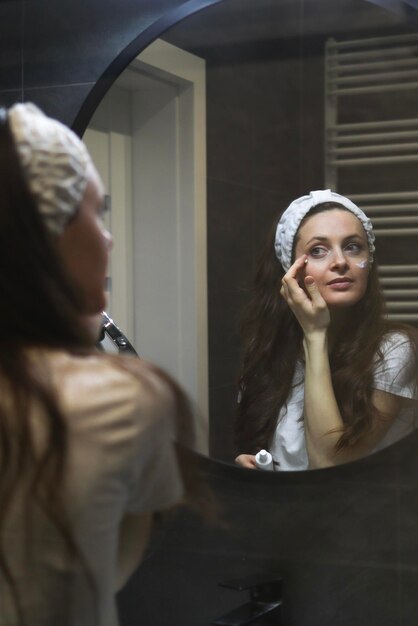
{"x":158,"y":216}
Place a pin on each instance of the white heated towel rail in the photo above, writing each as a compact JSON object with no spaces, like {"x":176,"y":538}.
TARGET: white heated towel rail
{"x":378,"y":65}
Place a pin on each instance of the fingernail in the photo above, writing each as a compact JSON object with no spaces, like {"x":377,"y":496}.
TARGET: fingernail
{"x":309,"y":280}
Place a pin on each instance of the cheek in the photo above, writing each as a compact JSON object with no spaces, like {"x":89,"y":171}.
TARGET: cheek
{"x":316,"y":269}
{"x":363,"y":279}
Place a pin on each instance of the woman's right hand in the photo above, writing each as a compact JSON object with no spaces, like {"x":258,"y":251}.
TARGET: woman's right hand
{"x":307,"y":304}
{"x":246,"y":460}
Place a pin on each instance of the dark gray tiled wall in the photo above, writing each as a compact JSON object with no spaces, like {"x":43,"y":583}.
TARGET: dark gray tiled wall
{"x":59,"y":101}
{"x":81,"y":36}
{"x":11,"y":34}
{"x":342,"y":539}
{"x":253,"y":172}
{"x":52,"y":53}
{"x":7,"y":98}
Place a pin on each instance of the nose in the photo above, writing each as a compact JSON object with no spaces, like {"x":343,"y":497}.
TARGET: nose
{"x":108,"y":240}
{"x":338,"y":259}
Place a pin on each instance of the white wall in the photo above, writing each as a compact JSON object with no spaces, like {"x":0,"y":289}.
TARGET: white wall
{"x":148,"y":141}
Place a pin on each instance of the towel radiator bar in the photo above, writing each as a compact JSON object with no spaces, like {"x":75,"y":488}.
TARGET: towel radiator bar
{"x":379,"y":66}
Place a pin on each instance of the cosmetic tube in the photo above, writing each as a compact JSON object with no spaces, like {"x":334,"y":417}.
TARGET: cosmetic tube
{"x":264,"y":460}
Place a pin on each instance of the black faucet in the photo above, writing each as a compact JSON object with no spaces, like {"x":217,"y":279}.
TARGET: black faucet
{"x":264,"y":607}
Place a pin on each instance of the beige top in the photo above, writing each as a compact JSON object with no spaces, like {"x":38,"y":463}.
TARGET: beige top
{"x":121,"y":460}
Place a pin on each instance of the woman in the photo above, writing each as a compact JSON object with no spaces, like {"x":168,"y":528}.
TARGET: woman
{"x":86,"y":452}
{"x":325,"y":378}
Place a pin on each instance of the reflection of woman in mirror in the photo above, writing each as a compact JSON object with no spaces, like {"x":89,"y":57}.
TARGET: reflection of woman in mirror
{"x":86,"y":439}
{"x":326,"y":378}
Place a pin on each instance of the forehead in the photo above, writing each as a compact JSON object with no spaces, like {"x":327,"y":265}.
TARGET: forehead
{"x":93,"y":177}
{"x":334,"y":223}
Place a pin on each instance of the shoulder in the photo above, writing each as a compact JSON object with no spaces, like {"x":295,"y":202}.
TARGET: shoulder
{"x":395,"y":367}
{"x":120,"y":415}
{"x":101,"y":394}
{"x":396,"y":345}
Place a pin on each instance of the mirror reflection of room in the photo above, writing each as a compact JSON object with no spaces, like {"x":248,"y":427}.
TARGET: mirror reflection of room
{"x":326,"y":378}
{"x":298,"y":97}
{"x":270,"y":107}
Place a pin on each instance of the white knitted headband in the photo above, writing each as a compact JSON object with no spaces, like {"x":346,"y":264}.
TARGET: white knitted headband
{"x":55,"y":163}
{"x":290,"y":221}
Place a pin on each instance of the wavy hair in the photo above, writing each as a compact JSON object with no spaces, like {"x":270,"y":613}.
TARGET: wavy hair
{"x":272,"y":344}
{"x":40,"y":308}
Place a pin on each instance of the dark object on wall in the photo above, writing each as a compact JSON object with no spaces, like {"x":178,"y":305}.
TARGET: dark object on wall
{"x":264,"y":606}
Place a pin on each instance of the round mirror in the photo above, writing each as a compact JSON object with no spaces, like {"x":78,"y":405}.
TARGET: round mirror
{"x":207,"y":137}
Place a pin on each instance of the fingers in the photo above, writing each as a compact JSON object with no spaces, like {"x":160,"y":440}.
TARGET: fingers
{"x":297,"y":266}
{"x":291,"y":289}
{"x":290,"y":279}
{"x":304,"y":298}
{"x":314,"y":294}
{"x":284,"y":291}
{"x":246,"y":460}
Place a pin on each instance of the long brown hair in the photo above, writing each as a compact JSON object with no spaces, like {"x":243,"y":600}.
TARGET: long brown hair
{"x":39,"y":308}
{"x":272,"y":344}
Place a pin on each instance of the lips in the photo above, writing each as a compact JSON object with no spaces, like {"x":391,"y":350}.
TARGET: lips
{"x":341,"y":280}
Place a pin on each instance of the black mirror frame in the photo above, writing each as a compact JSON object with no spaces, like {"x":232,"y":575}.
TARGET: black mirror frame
{"x":369,"y":465}
{"x":121,"y":62}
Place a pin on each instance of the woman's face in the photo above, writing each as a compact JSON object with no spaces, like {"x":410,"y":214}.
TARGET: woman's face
{"x":84,"y":247}
{"x":335,"y":243}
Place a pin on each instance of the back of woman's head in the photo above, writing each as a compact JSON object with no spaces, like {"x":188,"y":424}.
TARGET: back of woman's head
{"x":39,"y":306}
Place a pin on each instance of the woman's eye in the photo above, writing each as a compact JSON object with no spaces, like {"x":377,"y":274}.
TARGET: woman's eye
{"x":318,"y":251}
{"x":101,"y":211}
{"x":354,"y":248}
{"x":104,"y":206}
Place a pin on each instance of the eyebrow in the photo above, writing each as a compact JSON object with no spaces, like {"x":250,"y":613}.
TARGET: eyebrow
{"x":322,"y":238}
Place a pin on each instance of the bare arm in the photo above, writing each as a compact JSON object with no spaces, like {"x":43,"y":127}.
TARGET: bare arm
{"x":323,"y":421}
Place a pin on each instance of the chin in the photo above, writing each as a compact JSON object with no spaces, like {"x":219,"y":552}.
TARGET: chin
{"x":96,"y":305}
{"x":93,"y":325}
{"x":342,"y":302}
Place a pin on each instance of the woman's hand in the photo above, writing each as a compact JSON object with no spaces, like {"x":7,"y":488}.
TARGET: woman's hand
{"x":246,"y":460}
{"x":308,"y":306}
